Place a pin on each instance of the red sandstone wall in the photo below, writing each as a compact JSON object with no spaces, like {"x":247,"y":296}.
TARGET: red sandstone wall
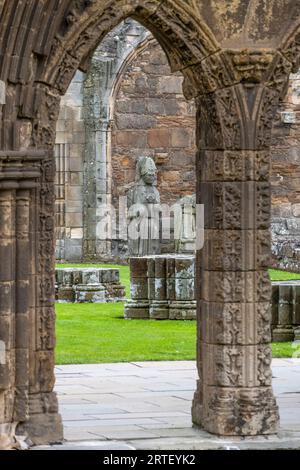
{"x":153,"y":118}
{"x":286,"y":180}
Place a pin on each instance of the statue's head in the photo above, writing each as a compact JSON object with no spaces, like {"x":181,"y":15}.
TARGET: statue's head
{"x":146,"y":171}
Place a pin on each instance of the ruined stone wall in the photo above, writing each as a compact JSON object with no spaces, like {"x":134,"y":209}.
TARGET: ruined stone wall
{"x":69,"y":153}
{"x":285,"y":154}
{"x":129,"y":104}
{"x":83,"y":158}
{"x":152,"y":118}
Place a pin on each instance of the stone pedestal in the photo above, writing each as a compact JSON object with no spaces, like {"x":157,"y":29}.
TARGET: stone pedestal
{"x":96,"y":285}
{"x":89,"y":293}
{"x":162,"y":287}
{"x":285,"y":310}
{"x":297,"y":333}
{"x":65,"y":294}
{"x":138,"y":306}
{"x":182,"y":310}
{"x":135,"y":309}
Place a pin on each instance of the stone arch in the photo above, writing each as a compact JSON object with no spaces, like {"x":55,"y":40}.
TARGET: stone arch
{"x":98,"y":101}
{"x":131,"y":56}
{"x":290,"y":48}
{"x":98,"y":136}
{"x":35,"y":82}
{"x":99,"y":128}
{"x":185,"y":39}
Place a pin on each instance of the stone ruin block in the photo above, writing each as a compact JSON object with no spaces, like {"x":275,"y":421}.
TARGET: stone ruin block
{"x":90,"y":293}
{"x":138,"y":306}
{"x":90,"y":276}
{"x":285,"y":310}
{"x":81,"y":285}
{"x":65,"y":294}
{"x":162,"y":287}
{"x":183,"y":310}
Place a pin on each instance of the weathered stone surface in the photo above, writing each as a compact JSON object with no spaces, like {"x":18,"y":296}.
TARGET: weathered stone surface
{"x":97,"y":285}
{"x":135,"y":309}
{"x":130,"y":77}
{"x":230,"y":411}
{"x":167,"y":288}
{"x":90,"y":293}
{"x":285,"y":181}
{"x":143,"y":204}
{"x":150,"y":113}
{"x":285,"y":310}
{"x":2,"y":92}
{"x":185,"y":225}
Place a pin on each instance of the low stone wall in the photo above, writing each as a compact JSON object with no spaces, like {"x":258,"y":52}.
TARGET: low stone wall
{"x":96,"y":285}
{"x":285,"y":310}
{"x":162,"y":287}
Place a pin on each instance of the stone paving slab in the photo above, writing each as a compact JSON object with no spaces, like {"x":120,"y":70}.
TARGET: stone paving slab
{"x":206,"y":441}
{"x":147,"y":406}
{"x":93,"y":445}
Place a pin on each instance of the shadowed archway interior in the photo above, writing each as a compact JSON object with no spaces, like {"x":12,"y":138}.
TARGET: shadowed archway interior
{"x":236,"y":64}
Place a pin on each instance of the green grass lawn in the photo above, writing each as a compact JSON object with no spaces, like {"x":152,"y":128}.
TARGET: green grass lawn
{"x":95,"y":333}
{"x":277,"y":275}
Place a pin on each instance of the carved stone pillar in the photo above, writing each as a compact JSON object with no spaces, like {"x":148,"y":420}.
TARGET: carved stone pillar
{"x":22,"y":318}
{"x":44,"y":423}
{"x":26,"y":355}
{"x":7,"y":315}
{"x":234,"y":394}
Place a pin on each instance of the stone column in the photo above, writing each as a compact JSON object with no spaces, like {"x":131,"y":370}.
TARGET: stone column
{"x":234,"y":394}
{"x":43,"y":423}
{"x":138,"y":305}
{"x":283,"y":330}
{"x":7,"y":316}
{"x":183,"y":303}
{"x":98,"y":101}
{"x":157,"y":283}
{"x":296,"y":312}
{"x":96,"y":188}
{"x":26,"y":317}
{"x":22,"y":319}
{"x":285,"y":310}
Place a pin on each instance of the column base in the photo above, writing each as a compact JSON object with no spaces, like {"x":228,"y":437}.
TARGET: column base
{"x":283,"y":334}
{"x":136,"y":309}
{"x":43,"y":429}
{"x":183,"y":310}
{"x":297,"y":333}
{"x":159,"y":310}
{"x":65,"y":295}
{"x":8,"y":438}
{"x":236,"y":412}
{"x":44,"y":425}
{"x":90,"y":293}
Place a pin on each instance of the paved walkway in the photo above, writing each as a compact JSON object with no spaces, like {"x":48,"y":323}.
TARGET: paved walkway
{"x":147,"y":405}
